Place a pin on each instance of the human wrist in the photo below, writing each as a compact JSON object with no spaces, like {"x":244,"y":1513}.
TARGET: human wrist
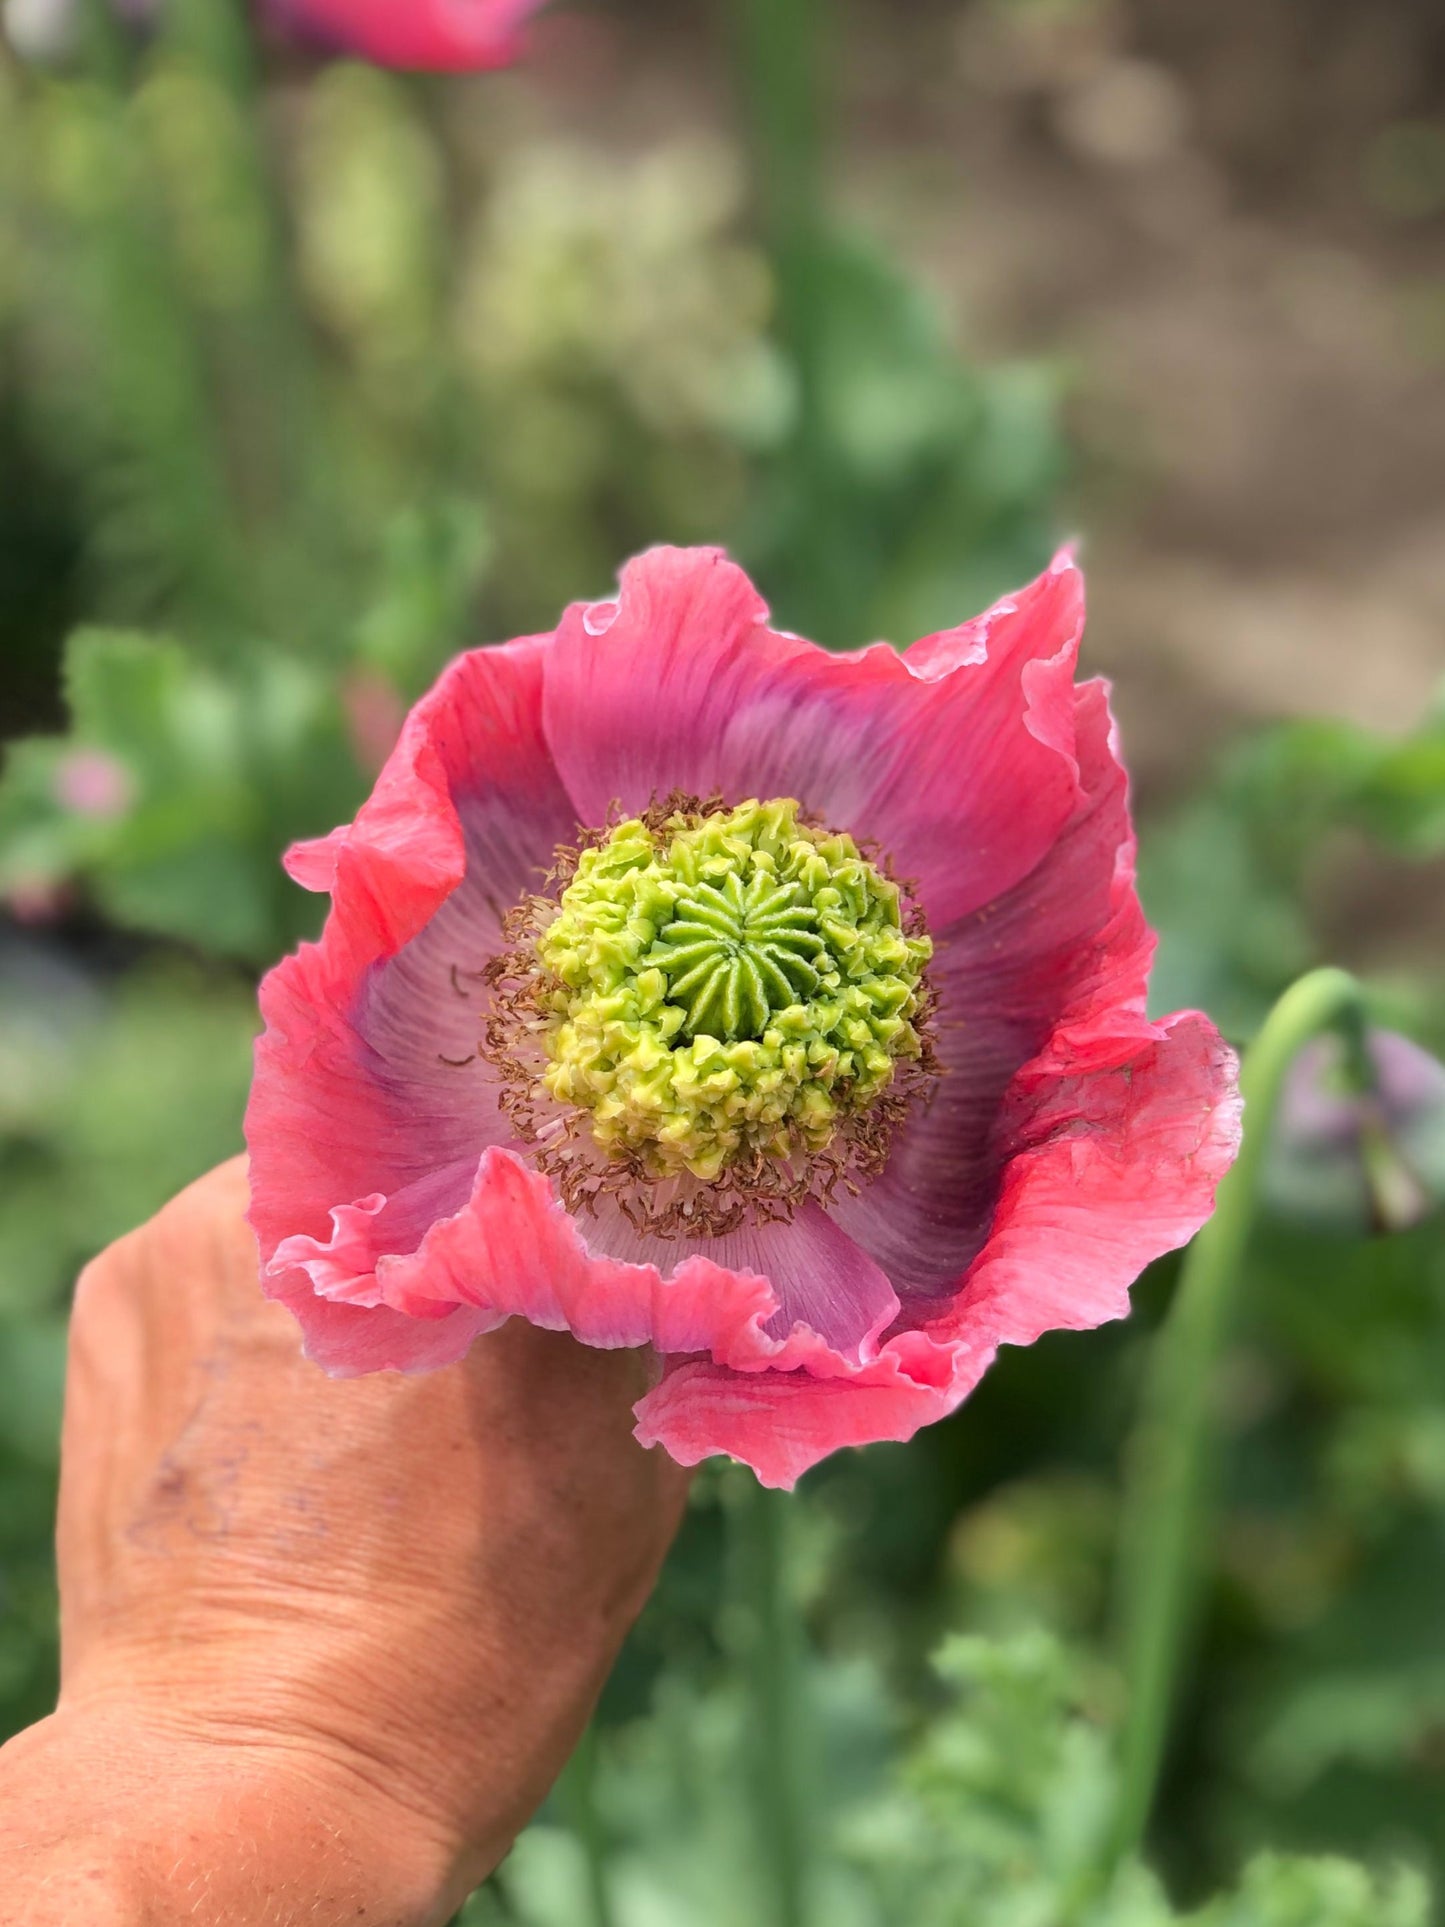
{"x":127,"y":1813}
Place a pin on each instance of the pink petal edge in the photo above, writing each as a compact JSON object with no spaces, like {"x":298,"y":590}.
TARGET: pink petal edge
{"x":956,"y":757}
{"x":347,"y":1103}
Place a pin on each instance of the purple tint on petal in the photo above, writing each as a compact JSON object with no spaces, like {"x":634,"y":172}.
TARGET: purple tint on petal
{"x":820,"y":1277}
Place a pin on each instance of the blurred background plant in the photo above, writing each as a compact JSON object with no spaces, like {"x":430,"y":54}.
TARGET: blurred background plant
{"x":313,"y":373}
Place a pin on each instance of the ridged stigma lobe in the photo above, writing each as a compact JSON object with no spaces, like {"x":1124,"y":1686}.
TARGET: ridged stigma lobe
{"x":733,"y":955}
{"x":720,"y":985}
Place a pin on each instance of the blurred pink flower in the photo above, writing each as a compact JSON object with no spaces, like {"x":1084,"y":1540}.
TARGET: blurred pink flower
{"x":374,"y":715}
{"x":36,"y":899}
{"x":405,"y":1201}
{"x":434,"y":36}
{"x":91,"y":782}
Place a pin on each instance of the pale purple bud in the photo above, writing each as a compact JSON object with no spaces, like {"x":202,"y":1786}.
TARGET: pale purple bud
{"x":1366,"y":1159}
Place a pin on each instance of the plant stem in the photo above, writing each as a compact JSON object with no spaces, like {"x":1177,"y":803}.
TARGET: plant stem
{"x":285,"y":480}
{"x":782,"y":63}
{"x":766,"y":1636}
{"x":1168,"y":1474}
{"x":579,"y":1798}
{"x":152,"y":400}
{"x":781,"y":73}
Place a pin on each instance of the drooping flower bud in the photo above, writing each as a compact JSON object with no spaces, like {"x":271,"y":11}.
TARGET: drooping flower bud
{"x":1361,"y":1146}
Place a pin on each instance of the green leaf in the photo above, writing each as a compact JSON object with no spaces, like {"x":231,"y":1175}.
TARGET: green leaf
{"x":1282,"y":1891}
{"x":32,"y":1371}
{"x":202,"y":779}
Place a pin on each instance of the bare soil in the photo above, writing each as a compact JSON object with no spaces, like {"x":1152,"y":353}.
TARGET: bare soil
{"x":1227,"y":219}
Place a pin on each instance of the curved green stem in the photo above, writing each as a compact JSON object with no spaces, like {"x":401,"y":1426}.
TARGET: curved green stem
{"x":1168,"y":1471}
{"x":579,"y":1800}
{"x":766,"y":1635}
{"x":784,"y":47}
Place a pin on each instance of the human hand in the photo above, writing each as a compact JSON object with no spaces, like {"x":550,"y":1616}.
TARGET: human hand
{"x":325,"y":1644}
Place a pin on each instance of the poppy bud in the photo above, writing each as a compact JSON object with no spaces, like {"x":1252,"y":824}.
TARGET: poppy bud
{"x":1361,"y":1147}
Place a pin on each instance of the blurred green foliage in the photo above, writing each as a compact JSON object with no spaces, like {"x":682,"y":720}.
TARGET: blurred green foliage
{"x":1232,"y":878}
{"x":995,"y":1814}
{"x":307,"y":381}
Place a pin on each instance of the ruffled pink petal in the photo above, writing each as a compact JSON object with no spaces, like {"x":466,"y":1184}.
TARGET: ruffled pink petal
{"x":956,"y":758}
{"x":1071,"y":1143}
{"x":347,"y":1341}
{"x":1114,"y":1155}
{"x":510,"y":1250}
{"x":1069,"y":936}
{"x":760,"y":1298}
{"x":1110,"y":1165}
{"x":513,"y":1251}
{"x":820,"y":1278}
{"x":343,"y":1266}
{"x":781,"y":1424}
{"x":352,"y":1101}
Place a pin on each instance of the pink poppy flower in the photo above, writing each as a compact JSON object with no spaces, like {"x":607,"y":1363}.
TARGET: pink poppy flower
{"x":817,"y":1061}
{"x":92,"y":782}
{"x":433,"y":36}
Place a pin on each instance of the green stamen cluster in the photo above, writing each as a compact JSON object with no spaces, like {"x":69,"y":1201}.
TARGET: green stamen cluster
{"x":724,"y":986}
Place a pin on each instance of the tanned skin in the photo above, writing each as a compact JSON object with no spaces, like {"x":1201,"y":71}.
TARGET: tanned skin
{"x":325,"y":1643}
